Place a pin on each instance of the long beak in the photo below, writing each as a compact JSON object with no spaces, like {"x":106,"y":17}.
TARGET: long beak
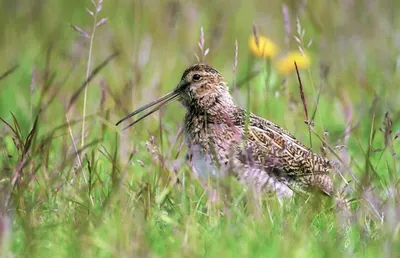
{"x":159,"y":103}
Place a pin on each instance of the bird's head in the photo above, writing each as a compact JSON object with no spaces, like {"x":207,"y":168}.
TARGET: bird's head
{"x":201,"y":88}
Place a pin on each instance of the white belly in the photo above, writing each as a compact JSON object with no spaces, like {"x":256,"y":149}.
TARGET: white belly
{"x":202,"y":163}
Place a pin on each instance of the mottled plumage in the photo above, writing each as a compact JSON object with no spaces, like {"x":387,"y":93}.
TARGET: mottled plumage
{"x":264,"y":156}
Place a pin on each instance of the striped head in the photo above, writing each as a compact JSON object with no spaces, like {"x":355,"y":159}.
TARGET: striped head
{"x":201,"y":89}
{"x":201,"y":86}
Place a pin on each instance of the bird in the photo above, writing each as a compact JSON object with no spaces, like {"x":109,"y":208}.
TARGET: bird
{"x":224,"y":139}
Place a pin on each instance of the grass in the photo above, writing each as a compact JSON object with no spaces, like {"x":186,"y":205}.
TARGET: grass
{"x":140,"y":198}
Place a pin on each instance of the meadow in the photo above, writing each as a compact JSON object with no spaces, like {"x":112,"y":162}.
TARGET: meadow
{"x":72,"y":184}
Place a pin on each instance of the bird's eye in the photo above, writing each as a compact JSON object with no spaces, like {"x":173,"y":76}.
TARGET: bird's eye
{"x":196,"y":77}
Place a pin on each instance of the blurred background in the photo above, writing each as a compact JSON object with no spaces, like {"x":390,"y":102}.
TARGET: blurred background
{"x":353,"y":44}
{"x":357,"y":41}
{"x":349,"y":58}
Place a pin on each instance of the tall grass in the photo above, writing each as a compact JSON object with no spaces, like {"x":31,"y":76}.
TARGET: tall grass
{"x":140,"y":197}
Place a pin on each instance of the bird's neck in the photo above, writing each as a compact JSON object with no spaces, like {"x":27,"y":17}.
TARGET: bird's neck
{"x":213,"y":108}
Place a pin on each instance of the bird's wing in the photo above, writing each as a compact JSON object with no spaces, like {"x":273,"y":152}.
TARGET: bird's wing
{"x":266,"y":125}
{"x":279,"y":152}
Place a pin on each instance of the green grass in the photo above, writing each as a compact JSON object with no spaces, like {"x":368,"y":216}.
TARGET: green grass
{"x":141,"y":201}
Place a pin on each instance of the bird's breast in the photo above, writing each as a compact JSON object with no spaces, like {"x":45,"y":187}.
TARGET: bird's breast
{"x":211,"y":148}
{"x":202,"y":163}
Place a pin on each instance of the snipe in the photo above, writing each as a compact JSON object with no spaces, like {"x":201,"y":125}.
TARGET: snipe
{"x":220,"y":141}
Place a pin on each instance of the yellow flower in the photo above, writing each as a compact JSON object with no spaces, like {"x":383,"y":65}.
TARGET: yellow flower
{"x":286,"y":64}
{"x":265,"y":48}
